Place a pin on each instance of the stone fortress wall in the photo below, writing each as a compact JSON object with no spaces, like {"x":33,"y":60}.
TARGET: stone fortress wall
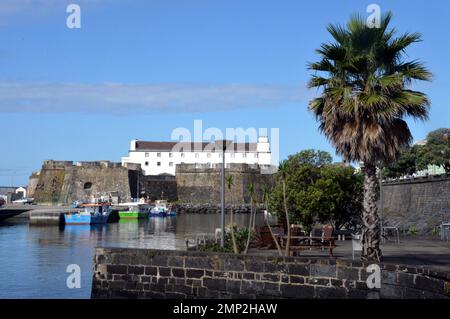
{"x":201,"y":184}
{"x":62,"y":182}
{"x":423,"y":203}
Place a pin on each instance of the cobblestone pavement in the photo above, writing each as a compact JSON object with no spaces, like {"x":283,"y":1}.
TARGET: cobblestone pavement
{"x":424,"y":251}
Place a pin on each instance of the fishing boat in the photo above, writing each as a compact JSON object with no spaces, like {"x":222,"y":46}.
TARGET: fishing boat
{"x":134,"y":210}
{"x":162,"y":209}
{"x":91,"y":214}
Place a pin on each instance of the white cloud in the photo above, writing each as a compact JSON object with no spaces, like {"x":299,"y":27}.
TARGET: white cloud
{"x":122,"y":98}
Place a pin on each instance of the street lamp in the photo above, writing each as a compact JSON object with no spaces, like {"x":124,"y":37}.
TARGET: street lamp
{"x":222,"y":144}
{"x":381,"y":202}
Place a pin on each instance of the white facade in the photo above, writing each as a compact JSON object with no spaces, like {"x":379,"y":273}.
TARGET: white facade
{"x":21,"y":190}
{"x":158,"y":158}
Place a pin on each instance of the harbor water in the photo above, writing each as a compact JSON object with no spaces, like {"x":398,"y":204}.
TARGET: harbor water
{"x":34,"y":259}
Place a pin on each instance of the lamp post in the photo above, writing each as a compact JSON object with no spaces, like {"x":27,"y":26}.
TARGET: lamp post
{"x":223,"y":145}
{"x":381,"y":201}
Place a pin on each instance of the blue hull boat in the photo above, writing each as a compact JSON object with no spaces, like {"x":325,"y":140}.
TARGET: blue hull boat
{"x":99,"y":219}
{"x":93,"y":214}
{"x":77,"y":219}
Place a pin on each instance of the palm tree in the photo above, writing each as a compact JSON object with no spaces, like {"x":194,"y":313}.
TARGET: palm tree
{"x":229,"y":182}
{"x":283,"y":171}
{"x":266,"y":192}
{"x":366,"y":95}
{"x":251,"y":192}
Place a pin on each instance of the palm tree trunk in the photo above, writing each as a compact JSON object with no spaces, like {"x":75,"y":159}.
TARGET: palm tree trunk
{"x":288,"y":244}
{"x":371,"y":228}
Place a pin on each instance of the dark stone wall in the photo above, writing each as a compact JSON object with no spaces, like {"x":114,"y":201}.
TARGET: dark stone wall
{"x":143,"y":273}
{"x":158,"y":186}
{"x":421,"y":202}
{"x":201,"y":185}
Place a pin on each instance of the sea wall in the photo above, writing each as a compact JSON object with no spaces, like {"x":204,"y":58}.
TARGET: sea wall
{"x":147,"y":273}
{"x":423,"y":203}
{"x":201,"y":184}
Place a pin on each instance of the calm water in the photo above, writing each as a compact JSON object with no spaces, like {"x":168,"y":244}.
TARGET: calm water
{"x":34,"y":259}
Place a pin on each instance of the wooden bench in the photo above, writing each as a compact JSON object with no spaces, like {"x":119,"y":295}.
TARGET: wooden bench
{"x":299,"y":243}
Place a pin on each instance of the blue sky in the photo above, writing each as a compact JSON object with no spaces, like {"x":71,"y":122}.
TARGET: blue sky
{"x":139,"y":69}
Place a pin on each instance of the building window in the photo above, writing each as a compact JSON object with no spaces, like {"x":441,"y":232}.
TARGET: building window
{"x":170,"y":163}
{"x":182,"y":154}
{"x":146,"y":154}
{"x":146,"y":163}
{"x":158,"y":154}
{"x":158,"y":163}
{"x":197,"y":155}
{"x":170,"y":154}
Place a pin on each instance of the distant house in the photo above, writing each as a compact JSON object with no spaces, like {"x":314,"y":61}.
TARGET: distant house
{"x":21,"y":192}
{"x":10,"y":193}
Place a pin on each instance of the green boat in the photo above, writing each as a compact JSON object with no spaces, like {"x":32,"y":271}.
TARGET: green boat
{"x":134,"y":211}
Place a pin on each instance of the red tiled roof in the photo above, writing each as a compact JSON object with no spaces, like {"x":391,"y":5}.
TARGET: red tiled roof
{"x":192,"y":146}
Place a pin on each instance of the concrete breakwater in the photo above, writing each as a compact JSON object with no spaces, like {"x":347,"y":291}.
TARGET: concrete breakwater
{"x":50,"y":215}
{"x":148,"y":273}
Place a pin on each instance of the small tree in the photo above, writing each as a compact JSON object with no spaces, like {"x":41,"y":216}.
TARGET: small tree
{"x":266,"y":193}
{"x":251,"y":192}
{"x":327,"y":193}
{"x":436,"y":151}
{"x":283,"y":172}
{"x":229,"y":182}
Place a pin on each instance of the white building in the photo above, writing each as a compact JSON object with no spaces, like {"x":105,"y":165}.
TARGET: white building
{"x":158,"y":158}
{"x":22,"y":190}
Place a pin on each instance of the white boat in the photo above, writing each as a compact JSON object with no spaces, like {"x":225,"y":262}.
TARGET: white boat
{"x":162,"y":209}
{"x":24,"y":201}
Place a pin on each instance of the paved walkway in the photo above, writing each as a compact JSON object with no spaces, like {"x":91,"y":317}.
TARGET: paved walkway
{"x":429,"y":252}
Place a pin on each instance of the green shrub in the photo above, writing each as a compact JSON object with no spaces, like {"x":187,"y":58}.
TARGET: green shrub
{"x":240,"y":234}
{"x":412,"y":230}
